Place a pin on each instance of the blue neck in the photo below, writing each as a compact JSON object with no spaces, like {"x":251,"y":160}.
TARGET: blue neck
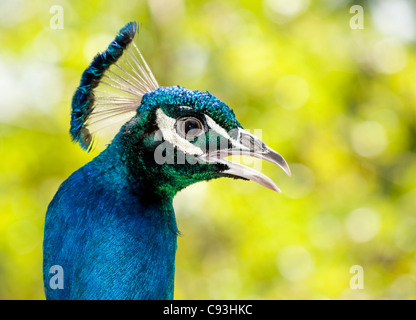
{"x":110,"y":241}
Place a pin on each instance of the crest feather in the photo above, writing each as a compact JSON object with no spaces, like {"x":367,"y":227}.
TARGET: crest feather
{"x":111,"y":88}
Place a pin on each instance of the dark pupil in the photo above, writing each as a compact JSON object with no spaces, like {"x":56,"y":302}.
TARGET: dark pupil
{"x":191,"y":125}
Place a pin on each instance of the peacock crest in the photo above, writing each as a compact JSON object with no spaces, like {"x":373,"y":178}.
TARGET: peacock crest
{"x":111,"y":88}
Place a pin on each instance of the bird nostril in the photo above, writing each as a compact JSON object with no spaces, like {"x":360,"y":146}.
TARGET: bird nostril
{"x":251,"y":143}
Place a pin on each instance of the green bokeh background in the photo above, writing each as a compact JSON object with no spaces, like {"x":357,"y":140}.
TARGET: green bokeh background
{"x":338,"y":103}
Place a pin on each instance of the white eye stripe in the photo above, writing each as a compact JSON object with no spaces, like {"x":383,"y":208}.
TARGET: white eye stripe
{"x":221,"y":131}
{"x":218,"y":129}
{"x":185,"y":107}
{"x":166,"y":124}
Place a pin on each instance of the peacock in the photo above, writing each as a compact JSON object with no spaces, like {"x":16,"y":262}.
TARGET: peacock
{"x":110,"y":230}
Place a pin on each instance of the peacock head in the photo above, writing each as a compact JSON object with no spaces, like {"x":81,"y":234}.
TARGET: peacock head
{"x":173,"y":137}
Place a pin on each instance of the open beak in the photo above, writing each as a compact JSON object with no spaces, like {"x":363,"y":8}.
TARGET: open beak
{"x":246,"y":144}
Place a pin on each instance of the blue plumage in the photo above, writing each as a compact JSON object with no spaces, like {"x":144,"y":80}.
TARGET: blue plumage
{"x":110,"y":243}
{"x":111,"y":226}
{"x":172,"y":97}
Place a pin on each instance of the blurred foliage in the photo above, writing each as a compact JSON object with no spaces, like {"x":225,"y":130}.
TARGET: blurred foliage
{"x":339,"y":104}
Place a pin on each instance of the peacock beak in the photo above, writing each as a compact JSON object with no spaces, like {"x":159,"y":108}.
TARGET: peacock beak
{"x":245,"y":144}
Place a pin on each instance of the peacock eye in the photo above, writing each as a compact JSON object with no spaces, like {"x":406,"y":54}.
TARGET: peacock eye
{"x":190,"y":127}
